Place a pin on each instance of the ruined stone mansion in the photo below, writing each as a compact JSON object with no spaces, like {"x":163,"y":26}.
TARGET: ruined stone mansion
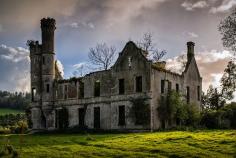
{"x":105,"y":99}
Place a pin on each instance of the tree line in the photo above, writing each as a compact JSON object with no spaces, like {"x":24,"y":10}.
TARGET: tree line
{"x":16,"y":100}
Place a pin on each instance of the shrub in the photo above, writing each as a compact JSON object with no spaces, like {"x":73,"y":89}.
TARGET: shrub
{"x":173,"y":108}
{"x":223,"y":118}
{"x":5,"y":130}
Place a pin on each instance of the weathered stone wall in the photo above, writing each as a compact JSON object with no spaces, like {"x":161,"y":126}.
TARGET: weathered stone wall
{"x":156,"y":78}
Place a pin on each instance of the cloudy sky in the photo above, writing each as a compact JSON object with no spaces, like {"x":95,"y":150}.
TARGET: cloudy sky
{"x":82,"y":24}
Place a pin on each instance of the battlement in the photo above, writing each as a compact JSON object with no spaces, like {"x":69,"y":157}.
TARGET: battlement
{"x":34,"y":46}
{"x":48,"y":23}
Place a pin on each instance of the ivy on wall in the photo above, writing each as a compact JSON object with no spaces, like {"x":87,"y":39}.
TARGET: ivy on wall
{"x":140,"y":111}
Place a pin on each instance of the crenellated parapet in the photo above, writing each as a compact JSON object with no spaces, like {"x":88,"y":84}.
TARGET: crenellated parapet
{"x":48,"y":26}
{"x":48,"y":23}
{"x":34,"y":46}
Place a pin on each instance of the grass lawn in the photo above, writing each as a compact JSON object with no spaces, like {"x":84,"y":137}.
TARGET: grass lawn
{"x":211,"y":144}
{"x":4,"y":111}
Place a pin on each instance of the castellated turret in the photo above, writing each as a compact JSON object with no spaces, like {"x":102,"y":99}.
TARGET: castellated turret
{"x":48,"y":26}
{"x":42,"y":58}
{"x":35,"y":66}
{"x":48,"y":58}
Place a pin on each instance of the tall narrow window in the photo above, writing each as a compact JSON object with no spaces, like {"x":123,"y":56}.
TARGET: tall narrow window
{"x":81,"y":117}
{"x":121,"y":86}
{"x":139,"y":84}
{"x":162,"y":86}
{"x":43,"y":60}
{"x":177,"y":87}
{"x":33,"y":94}
{"x":65,"y":92}
{"x":198,"y":93}
{"x":47,"y":88}
{"x":81,"y":90}
{"x":96,"y":117}
{"x":169,"y":86}
{"x":188,"y":95}
{"x":97,"y":89}
{"x":121,"y":115}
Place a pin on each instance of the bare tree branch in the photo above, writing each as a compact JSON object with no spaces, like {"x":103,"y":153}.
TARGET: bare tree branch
{"x":102,"y":56}
{"x":149,"y":47}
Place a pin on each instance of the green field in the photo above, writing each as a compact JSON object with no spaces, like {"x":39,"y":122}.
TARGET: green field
{"x":159,"y":144}
{"x":4,"y":111}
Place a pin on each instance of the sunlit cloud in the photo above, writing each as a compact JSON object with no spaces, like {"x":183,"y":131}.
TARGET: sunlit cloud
{"x":211,"y":65}
{"x":189,"y":6}
{"x":60,"y":67}
{"x":225,"y":6}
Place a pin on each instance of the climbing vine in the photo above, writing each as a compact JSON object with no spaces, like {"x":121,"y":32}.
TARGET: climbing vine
{"x":140,"y":110}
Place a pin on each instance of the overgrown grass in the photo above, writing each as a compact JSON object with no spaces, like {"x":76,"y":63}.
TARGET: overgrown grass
{"x":217,"y":143}
{"x":5,"y":111}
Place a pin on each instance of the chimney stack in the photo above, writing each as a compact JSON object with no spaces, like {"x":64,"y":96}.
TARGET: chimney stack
{"x":190,"y":52}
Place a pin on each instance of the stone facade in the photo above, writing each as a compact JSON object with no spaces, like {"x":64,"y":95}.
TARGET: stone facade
{"x":104,"y":99}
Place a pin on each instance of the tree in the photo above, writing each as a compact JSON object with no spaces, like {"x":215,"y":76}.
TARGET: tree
{"x":214,"y":99}
{"x":172,"y":108}
{"x":227,"y":28}
{"x":102,"y":56}
{"x":228,"y":81}
{"x":183,"y":60}
{"x":149,"y":47}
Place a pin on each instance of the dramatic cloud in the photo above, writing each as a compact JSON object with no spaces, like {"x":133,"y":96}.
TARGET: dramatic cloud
{"x":211,"y":65}
{"x":60,"y":67}
{"x":82,"y":24}
{"x":225,"y":6}
{"x":14,"y":68}
{"x":192,"y":6}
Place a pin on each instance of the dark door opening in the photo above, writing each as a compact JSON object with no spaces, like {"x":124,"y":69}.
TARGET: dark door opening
{"x":81,"y":117}
{"x":43,"y":120}
{"x":96,"y":117}
{"x":121,"y":115}
{"x":62,"y":121}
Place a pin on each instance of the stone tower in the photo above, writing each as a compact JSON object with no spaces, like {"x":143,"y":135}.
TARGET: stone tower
{"x":42,"y":58}
{"x":48,"y":58}
{"x":48,"y":70}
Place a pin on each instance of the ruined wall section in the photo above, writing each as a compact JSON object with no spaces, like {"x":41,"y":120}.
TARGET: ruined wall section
{"x":170,"y":81}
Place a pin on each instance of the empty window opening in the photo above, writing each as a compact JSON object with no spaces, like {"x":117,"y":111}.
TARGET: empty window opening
{"x":177,"y":87}
{"x":121,"y":115}
{"x":65,"y":92}
{"x":162,"y":86}
{"x":43,"y":60}
{"x":121,"y":86}
{"x":188,"y":95}
{"x":198,"y":93}
{"x":97,"y":89}
{"x":47,"y":88}
{"x":169,"y":86}
{"x":139,"y":84}
{"x":33,"y":94}
{"x":81,"y":90}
